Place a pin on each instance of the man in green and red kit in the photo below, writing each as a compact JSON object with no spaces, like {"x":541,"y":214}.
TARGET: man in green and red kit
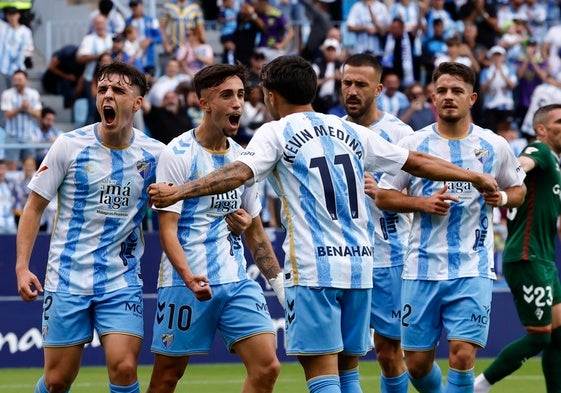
{"x":529,"y":259}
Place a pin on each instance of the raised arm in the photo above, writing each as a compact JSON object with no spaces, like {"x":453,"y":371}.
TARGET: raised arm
{"x":226,"y":178}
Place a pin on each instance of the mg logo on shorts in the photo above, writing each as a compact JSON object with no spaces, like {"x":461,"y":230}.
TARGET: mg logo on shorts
{"x":396,"y":314}
{"x":480,"y":319}
{"x":134,"y":307}
{"x":262,"y":307}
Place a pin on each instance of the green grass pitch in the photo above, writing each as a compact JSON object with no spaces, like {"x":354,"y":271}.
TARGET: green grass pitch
{"x":226,"y":378}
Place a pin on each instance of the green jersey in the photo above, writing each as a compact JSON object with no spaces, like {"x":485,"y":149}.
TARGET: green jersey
{"x":532,"y":227}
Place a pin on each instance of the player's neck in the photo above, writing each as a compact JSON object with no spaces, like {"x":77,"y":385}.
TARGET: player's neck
{"x":115,"y":138}
{"x":453,"y":130}
{"x":211,"y":138}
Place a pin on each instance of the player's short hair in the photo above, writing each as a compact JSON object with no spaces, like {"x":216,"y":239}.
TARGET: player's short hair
{"x":215,"y":74}
{"x":465,"y":73}
{"x":364,"y":60}
{"x":292,"y":77}
{"x":540,"y":116}
{"x":132,"y":74}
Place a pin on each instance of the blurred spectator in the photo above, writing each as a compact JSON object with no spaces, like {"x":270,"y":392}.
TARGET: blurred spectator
{"x":254,"y":114}
{"x":437,"y":11}
{"x":277,"y":33}
{"x":391,"y":100}
{"x":45,"y":131}
{"x":24,"y":7}
{"x":63,"y":75}
{"x":415,"y":24}
{"x":434,"y":46}
{"x":248,"y":26}
{"x":167,"y":121}
{"x":547,"y":93}
{"x":459,"y":53}
{"x":552,"y":49}
{"x":132,"y":47}
{"x":115,"y":21}
{"x":335,"y":32}
{"x":418,"y":114}
{"x":398,"y":53}
{"x":16,"y":47}
{"x":117,"y":51}
{"x":484,"y":16}
{"x":20,"y":190}
{"x":256,"y":62}
{"x":195,"y":53}
{"x":21,"y":106}
{"x":317,"y":12}
{"x":177,"y":16}
{"x":149,"y":35}
{"x":188,"y":96}
{"x":228,"y":19}
{"x":167,"y":82}
{"x":328,"y":71}
{"x":537,"y":19}
{"x":514,"y":37}
{"x":515,"y":9}
{"x":531,"y":70}
{"x":295,"y":15}
{"x":369,"y":21}
{"x":497,"y":85}
{"x":91,"y":47}
{"x":7,"y":202}
{"x":478,"y":50}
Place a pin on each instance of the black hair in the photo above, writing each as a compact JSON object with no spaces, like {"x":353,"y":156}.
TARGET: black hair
{"x":215,"y":74}
{"x":292,"y":77}
{"x":132,"y":75}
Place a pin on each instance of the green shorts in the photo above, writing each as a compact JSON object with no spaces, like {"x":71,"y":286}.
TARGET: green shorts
{"x":536,"y":288}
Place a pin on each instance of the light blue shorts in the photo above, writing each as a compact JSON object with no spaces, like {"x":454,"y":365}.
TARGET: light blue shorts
{"x":185,"y":326}
{"x":327,"y":320}
{"x":385,"y":315}
{"x":70,"y":319}
{"x":461,"y":306}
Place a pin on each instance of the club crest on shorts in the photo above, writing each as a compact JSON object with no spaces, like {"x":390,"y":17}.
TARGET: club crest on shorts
{"x":167,"y":339}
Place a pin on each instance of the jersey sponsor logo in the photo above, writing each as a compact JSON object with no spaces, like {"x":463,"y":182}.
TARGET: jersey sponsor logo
{"x":481,"y":234}
{"x":388,"y":223}
{"x":114,"y":198}
{"x":344,"y":251}
{"x":223,"y":204}
{"x":461,"y":189}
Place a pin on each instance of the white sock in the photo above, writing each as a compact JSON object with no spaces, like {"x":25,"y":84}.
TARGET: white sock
{"x":481,"y":385}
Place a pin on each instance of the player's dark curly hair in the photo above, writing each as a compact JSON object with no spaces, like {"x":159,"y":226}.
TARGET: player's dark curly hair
{"x":216,"y":74}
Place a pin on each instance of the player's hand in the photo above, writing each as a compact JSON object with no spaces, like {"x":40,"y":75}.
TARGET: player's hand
{"x":370,"y":185}
{"x":163,"y":194}
{"x":238,"y":221}
{"x":486,"y":183}
{"x":439,"y":203}
{"x":29,"y":286}
{"x":493,"y":198}
{"x":200,"y":288}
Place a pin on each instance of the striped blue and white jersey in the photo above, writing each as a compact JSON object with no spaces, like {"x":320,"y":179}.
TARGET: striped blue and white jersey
{"x":459,"y":244}
{"x":392,"y":229}
{"x":316,"y":164}
{"x":97,"y":238}
{"x":210,"y":248}
{"x":92,"y":44}
{"x":17,"y":44}
{"x":22,"y":124}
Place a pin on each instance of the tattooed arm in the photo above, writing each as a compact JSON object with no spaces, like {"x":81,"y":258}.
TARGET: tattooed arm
{"x":227,"y":178}
{"x":264,"y":257}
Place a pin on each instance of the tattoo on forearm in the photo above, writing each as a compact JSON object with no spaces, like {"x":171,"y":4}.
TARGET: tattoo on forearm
{"x":265,"y":259}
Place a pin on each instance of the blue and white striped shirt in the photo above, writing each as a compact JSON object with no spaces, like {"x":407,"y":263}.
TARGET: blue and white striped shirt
{"x":97,"y":238}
